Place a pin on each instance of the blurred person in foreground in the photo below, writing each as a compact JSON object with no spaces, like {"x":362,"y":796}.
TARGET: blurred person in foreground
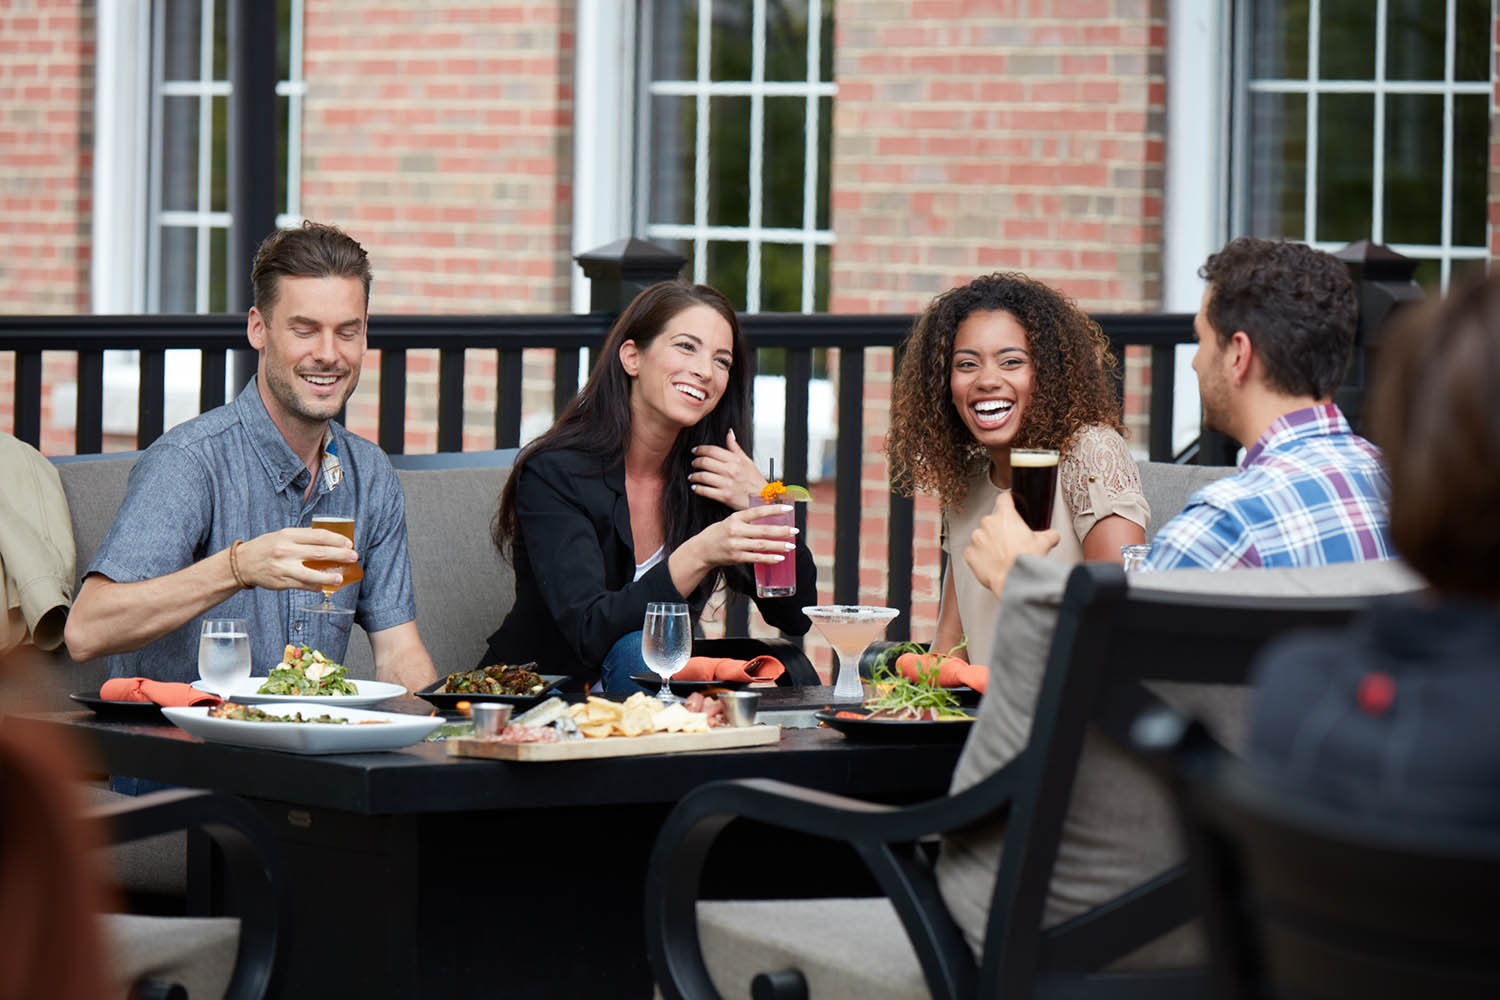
{"x":1275,"y":332}
{"x":1394,"y":717}
{"x":217,"y":518}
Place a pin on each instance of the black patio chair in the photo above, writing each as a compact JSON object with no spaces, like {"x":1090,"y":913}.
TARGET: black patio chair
{"x":233,"y":871}
{"x":1107,"y":641}
{"x":1300,"y":901}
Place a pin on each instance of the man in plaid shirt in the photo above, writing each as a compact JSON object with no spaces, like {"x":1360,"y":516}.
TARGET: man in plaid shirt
{"x":1274,"y":336}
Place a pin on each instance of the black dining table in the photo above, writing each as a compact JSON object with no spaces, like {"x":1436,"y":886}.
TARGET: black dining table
{"x":416,"y":873}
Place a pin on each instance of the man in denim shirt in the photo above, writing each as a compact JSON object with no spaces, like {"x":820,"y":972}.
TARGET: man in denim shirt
{"x":216,"y":521}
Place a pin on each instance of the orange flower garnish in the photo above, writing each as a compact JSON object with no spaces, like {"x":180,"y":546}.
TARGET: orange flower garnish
{"x":773,"y":491}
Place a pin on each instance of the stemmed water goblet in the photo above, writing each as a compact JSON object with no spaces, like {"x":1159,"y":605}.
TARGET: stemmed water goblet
{"x":849,"y":628}
{"x":666,"y":642}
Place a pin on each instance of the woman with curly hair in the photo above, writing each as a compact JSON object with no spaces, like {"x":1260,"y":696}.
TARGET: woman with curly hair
{"x":1004,"y":362}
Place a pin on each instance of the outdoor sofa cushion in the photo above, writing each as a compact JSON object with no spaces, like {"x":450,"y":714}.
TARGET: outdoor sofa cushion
{"x":196,"y":952}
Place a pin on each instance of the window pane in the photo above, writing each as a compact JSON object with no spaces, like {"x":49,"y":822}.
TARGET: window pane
{"x":784,"y":123}
{"x":181,"y":27}
{"x":1414,"y":39}
{"x":1413,"y":168}
{"x":219,"y":167}
{"x":820,"y":281}
{"x":671,"y":186}
{"x":1471,"y":139}
{"x":1279,"y":50}
{"x":1462,"y":272}
{"x":825,"y":160}
{"x":674,"y":43}
{"x":1278,"y":165}
{"x":780,"y":277}
{"x":1346,"y":40}
{"x":729,"y":162}
{"x":825,"y":42}
{"x":178,"y":270}
{"x":221,"y":39}
{"x":283,"y":110}
{"x":727,"y":263}
{"x":729,"y":44}
{"x":179,"y":144}
{"x":786,"y":39}
{"x":1471,"y":56}
{"x":1345,"y":148}
{"x":218,"y":273}
{"x":284,"y":31}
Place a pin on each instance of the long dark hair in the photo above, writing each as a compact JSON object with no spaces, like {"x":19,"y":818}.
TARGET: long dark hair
{"x":597,"y":420}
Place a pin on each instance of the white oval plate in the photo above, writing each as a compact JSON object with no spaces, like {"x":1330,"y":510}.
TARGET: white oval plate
{"x":382,"y":730}
{"x":243,"y":691}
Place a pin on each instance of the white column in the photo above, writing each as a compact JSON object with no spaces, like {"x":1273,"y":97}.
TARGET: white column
{"x":603,"y":129}
{"x":121,"y":133}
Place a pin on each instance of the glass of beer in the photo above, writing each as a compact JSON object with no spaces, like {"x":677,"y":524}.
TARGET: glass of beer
{"x":339,"y":526}
{"x":1033,"y":484}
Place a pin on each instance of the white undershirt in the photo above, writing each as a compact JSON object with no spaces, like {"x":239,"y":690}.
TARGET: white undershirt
{"x":641,"y":569}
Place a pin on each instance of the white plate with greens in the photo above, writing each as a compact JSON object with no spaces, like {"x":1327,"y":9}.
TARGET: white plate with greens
{"x":358,"y":731}
{"x":246,"y":692}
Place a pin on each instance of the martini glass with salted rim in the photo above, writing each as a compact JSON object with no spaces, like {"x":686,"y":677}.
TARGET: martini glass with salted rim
{"x":849,"y":628}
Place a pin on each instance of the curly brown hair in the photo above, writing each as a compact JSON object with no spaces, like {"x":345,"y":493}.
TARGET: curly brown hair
{"x":929,"y":446}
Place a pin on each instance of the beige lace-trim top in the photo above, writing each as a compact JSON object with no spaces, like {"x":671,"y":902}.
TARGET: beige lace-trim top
{"x":1096,"y":478}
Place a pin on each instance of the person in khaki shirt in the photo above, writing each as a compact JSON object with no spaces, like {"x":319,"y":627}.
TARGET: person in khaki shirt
{"x":36,"y":548}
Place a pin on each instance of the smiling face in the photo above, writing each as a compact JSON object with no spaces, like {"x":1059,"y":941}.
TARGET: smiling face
{"x":680,"y":376}
{"x":990,"y":380}
{"x":311,"y":347}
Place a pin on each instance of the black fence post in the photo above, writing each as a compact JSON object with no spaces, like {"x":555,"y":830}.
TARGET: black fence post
{"x":252,"y":154}
{"x":619,"y":271}
{"x":1382,"y":285}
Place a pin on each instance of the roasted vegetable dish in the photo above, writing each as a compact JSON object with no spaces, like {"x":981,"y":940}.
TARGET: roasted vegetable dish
{"x":498,"y":678}
{"x":306,"y":671}
{"x":249,"y":713}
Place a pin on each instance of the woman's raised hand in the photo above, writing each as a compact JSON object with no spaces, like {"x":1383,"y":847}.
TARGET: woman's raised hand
{"x":726,"y":474}
{"x":739,"y":538}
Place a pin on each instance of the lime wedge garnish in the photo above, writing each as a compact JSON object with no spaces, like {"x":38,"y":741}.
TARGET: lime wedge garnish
{"x":796,"y":493}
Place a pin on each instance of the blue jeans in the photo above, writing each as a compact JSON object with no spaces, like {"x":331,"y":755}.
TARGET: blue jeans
{"x":135,"y":786}
{"x":623,"y":659}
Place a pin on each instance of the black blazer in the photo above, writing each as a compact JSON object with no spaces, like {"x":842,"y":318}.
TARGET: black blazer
{"x":575,"y":566}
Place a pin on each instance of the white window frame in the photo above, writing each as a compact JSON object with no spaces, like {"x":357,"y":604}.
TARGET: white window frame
{"x":757,"y":89}
{"x":1445,"y":252}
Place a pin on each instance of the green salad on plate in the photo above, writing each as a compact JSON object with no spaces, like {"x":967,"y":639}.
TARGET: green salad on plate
{"x":305,"y":671}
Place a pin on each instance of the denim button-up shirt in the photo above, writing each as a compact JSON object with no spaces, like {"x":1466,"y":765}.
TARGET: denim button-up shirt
{"x":229,"y":474}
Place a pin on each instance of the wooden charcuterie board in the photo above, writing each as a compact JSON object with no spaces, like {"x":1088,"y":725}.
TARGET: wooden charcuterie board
{"x":618,"y":746}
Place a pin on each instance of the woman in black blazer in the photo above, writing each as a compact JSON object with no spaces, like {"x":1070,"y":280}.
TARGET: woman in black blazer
{"x":640,"y":493}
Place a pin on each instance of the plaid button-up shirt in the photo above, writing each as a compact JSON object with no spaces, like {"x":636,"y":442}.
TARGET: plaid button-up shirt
{"x":1310,"y":492}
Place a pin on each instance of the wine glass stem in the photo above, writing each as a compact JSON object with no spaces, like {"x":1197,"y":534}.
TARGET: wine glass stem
{"x":847,"y":686}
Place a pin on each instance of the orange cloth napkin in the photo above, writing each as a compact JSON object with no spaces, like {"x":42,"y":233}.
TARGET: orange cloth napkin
{"x":167,"y":693}
{"x":951,"y":671}
{"x":722,"y":668}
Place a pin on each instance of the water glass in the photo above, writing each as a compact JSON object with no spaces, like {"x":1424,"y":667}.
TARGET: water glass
{"x":223,"y":652}
{"x":1133,"y":557}
{"x":666,"y":642}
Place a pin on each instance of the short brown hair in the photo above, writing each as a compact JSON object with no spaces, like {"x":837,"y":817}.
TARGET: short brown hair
{"x":1433,"y":412}
{"x":1296,"y":305}
{"x":313,"y":250}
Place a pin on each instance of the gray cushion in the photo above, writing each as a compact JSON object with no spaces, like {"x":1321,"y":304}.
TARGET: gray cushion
{"x":462,"y":586}
{"x":1118,"y":831}
{"x":152,"y":864}
{"x":1167,"y":487}
{"x":197,"y":952}
{"x":848,"y":949}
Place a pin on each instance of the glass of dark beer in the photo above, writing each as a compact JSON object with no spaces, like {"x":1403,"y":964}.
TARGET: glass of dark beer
{"x":1033,"y":484}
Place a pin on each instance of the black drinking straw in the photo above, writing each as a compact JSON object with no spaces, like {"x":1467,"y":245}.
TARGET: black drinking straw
{"x":772,"y":476}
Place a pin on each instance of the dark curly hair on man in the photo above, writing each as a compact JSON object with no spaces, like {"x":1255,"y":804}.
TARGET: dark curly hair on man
{"x":1295,"y":303}
{"x":930,"y":447}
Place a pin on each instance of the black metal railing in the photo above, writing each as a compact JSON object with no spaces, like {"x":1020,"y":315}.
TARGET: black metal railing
{"x":798,"y":335}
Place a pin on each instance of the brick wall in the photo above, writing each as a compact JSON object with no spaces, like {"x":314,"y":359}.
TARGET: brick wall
{"x":440,"y":135}
{"x":46,"y":145}
{"x":979,"y":136}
